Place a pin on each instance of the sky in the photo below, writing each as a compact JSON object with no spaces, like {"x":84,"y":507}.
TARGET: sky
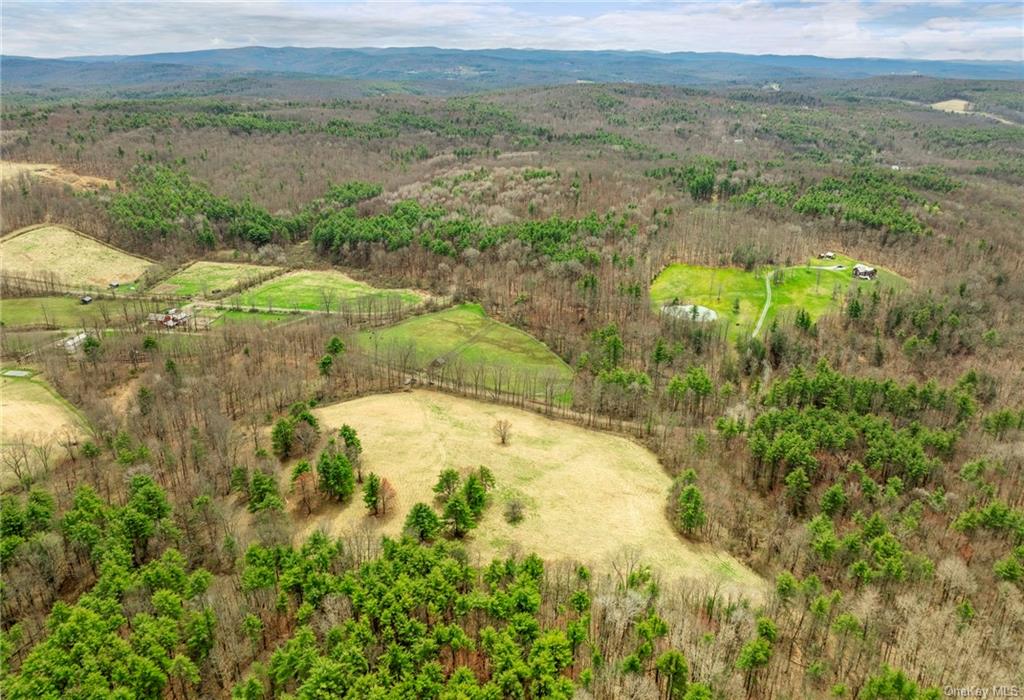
{"x":919,"y":29}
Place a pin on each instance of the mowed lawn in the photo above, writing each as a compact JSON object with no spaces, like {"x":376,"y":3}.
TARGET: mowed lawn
{"x":74,"y":259}
{"x":734,"y":294}
{"x":809,"y":287}
{"x":258,"y":318}
{"x":318,"y":290}
{"x":577,"y":485}
{"x":69,"y":312}
{"x":465,"y":333}
{"x":202,"y":278}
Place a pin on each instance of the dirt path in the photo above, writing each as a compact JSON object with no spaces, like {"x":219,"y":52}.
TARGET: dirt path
{"x":767,"y":304}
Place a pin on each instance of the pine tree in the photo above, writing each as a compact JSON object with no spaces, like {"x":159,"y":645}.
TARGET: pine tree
{"x":371,"y":493}
{"x":691,"y":510}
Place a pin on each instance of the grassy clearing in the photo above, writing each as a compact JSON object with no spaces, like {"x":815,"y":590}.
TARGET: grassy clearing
{"x":816,"y":291}
{"x":466,"y":333}
{"x":261,"y":318}
{"x":202,"y":278}
{"x":735,"y":295}
{"x":315,"y":290}
{"x":68,"y":312}
{"x":409,"y":438}
{"x":31,"y":409}
{"x":75,"y":259}
{"x":55,"y":173}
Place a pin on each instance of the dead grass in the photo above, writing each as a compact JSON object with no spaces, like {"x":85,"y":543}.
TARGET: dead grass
{"x":590,"y":496}
{"x":956,"y":106}
{"x":75,"y":259}
{"x":30,"y":409}
{"x":49,"y":171}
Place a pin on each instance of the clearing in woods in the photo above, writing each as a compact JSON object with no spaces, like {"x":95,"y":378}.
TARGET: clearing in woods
{"x":465,"y":333}
{"x":70,"y":312}
{"x":54,"y":173}
{"x":315,"y":290}
{"x":31,"y":409}
{"x":74,"y":259}
{"x":578,"y":483}
{"x":739,"y":296}
{"x":203,"y":278}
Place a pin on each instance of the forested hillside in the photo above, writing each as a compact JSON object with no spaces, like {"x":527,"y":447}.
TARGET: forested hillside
{"x":821,"y":481}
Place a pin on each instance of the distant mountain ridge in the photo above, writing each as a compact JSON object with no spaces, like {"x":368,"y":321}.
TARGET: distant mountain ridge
{"x":480,"y":69}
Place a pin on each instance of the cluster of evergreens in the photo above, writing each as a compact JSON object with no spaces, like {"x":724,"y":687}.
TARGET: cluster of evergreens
{"x":142,"y":627}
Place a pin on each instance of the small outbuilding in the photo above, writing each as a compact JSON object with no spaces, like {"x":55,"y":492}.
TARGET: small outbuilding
{"x":863,"y":272}
{"x":86,"y":299}
{"x":827,"y":255}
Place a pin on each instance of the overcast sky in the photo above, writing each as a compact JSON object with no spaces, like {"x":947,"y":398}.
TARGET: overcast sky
{"x":949,"y":29}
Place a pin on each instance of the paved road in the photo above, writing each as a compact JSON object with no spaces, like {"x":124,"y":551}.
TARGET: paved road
{"x":767,"y":304}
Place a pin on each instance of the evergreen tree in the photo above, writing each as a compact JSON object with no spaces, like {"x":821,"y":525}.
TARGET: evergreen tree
{"x":372,"y":493}
{"x":422,"y":523}
{"x":691,"y":510}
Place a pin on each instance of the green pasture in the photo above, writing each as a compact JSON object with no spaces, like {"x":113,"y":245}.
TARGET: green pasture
{"x":734,"y":294}
{"x":316,"y":291}
{"x":203,"y":278}
{"x":738,"y":296}
{"x":261,"y":318}
{"x":68,"y":312}
{"x":466,"y":333}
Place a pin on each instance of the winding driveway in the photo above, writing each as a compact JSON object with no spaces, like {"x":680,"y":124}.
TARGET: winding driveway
{"x":767,"y":304}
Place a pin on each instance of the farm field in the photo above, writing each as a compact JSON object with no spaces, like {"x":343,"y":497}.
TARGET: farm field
{"x":74,"y":259}
{"x":465,"y":332}
{"x":202,"y":278}
{"x":67,"y":312}
{"x":408,"y":438}
{"x":810,"y":287}
{"x":311,"y":290}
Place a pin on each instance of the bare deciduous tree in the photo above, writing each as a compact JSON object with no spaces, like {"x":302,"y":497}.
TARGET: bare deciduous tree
{"x":503,"y":431}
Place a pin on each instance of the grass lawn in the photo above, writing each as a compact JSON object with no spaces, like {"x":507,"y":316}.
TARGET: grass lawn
{"x":465,"y":332}
{"x":69,"y":312}
{"x":816,"y":291}
{"x":262,"y":318}
{"x":202,"y":278}
{"x":76,"y":260}
{"x":308,"y":290}
{"x":734,"y":294}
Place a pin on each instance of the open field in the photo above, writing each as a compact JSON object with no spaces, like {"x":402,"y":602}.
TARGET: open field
{"x":203,"y":278}
{"x":409,"y":438}
{"x":318,"y":291}
{"x":466,"y":333}
{"x":811,"y":287}
{"x":74,"y":259}
{"x":233,"y":316}
{"x":31,"y":409}
{"x":55,"y":173}
{"x":67,"y":312}
{"x":965,"y":107}
{"x":734,"y":294}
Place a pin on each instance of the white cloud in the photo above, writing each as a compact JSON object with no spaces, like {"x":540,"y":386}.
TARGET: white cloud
{"x":836,"y":28}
